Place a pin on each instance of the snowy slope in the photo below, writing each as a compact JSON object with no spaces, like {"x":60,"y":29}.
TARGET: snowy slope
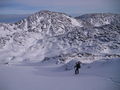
{"x":48,"y":35}
{"x":100,"y":75}
{"x":27,"y":36}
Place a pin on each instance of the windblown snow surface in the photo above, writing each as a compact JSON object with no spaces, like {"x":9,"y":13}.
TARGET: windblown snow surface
{"x":39,"y":52}
{"x":99,"y":75}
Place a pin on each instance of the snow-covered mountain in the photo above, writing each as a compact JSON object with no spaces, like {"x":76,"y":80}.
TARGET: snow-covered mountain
{"x":99,"y":19}
{"x":48,"y":35}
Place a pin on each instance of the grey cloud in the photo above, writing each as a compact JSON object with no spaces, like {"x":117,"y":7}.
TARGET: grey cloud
{"x":62,"y":5}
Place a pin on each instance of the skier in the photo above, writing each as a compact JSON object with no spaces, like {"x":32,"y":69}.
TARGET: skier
{"x":77,"y":67}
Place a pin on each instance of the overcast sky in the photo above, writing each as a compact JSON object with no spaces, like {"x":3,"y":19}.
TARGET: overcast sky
{"x":67,"y":6}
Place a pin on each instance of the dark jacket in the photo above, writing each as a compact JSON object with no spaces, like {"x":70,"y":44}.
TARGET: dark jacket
{"x":77,"y":66}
